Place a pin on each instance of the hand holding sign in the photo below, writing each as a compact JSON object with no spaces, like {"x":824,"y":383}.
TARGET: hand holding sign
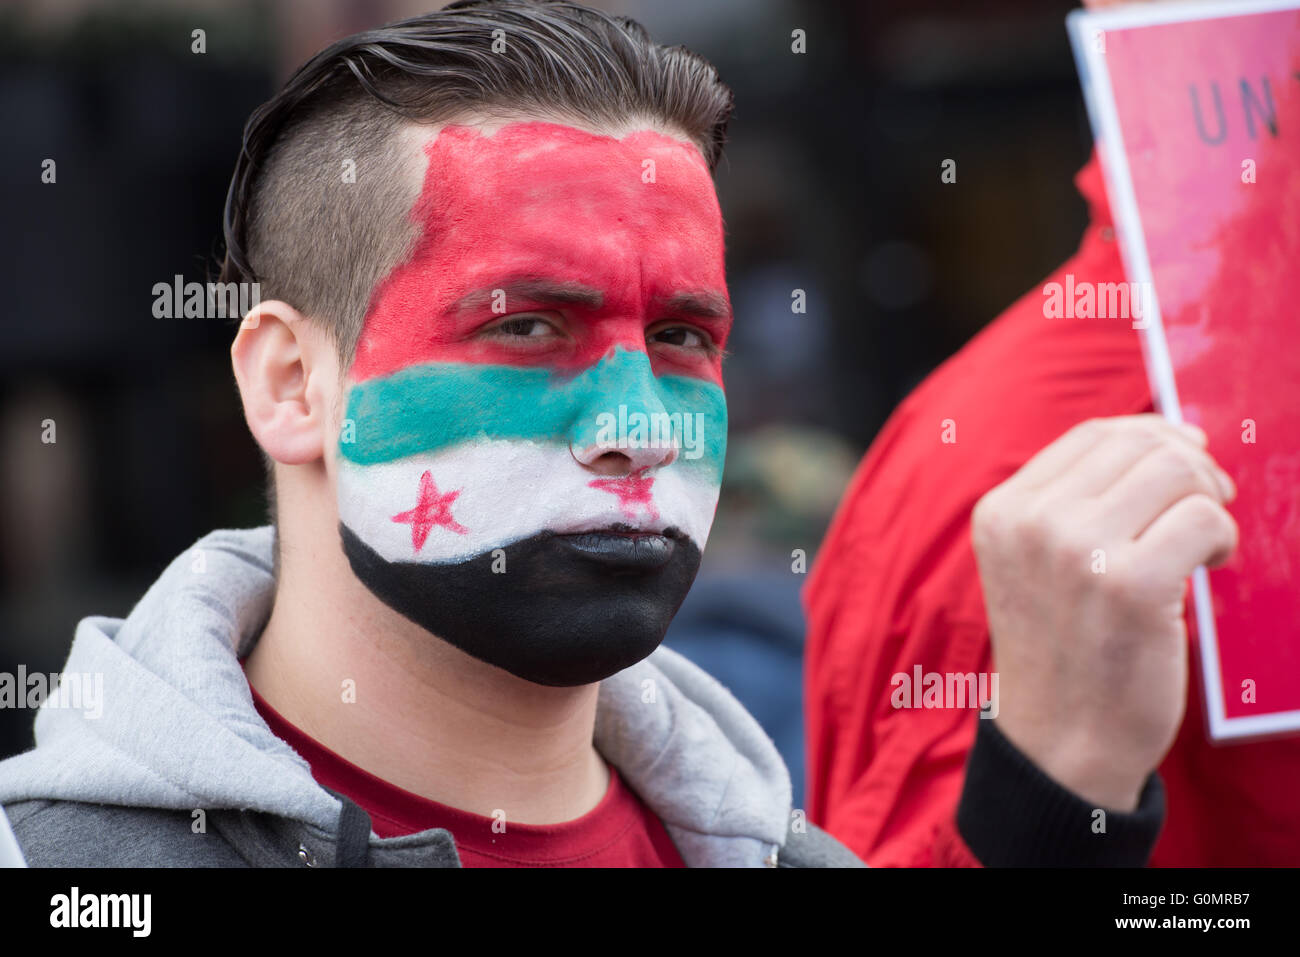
{"x":1084,"y":556}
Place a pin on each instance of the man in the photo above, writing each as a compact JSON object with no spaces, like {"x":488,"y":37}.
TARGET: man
{"x":493,"y":261}
{"x":898,"y":584}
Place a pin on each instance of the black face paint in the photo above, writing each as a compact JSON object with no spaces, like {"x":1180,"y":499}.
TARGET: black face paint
{"x":559,"y":610}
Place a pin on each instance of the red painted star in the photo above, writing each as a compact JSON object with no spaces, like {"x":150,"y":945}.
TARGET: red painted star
{"x":632,"y":491}
{"x":432,"y":509}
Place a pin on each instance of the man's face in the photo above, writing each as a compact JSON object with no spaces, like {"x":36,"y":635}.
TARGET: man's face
{"x":534,"y":425}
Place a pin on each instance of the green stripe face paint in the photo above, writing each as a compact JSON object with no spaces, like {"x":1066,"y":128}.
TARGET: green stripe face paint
{"x":430,"y":407}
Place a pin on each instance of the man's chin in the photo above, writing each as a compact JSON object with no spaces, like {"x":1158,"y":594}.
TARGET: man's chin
{"x":554,"y":609}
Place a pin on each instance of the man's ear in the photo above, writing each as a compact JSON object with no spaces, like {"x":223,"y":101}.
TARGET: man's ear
{"x":288,"y":374}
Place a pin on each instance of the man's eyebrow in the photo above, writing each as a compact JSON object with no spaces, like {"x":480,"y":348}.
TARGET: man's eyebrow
{"x":548,"y":291}
{"x":707,"y":305}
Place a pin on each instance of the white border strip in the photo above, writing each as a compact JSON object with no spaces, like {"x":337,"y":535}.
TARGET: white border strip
{"x":1130,"y":15}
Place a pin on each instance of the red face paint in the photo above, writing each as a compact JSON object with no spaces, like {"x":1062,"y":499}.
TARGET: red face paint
{"x":630,"y":227}
{"x":433,"y":510}
{"x":634,"y":493}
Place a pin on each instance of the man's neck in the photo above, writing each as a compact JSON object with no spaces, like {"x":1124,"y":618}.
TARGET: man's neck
{"x":411,"y":709}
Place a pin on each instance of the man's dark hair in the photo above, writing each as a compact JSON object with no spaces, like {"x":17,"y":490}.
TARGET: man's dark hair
{"x":295,"y":225}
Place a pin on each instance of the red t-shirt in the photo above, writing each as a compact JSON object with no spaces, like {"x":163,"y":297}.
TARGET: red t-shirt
{"x":895,"y":586}
{"x":620,"y":831}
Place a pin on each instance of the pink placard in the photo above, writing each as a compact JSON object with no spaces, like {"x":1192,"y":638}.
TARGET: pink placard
{"x":1199,"y":125}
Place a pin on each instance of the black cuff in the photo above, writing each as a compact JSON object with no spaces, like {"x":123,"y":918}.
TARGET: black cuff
{"x":1013,"y":815}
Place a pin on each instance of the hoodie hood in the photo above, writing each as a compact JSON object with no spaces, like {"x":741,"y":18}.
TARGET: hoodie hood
{"x":177,"y":728}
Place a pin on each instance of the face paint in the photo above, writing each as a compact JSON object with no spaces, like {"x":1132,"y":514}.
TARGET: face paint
{"x":462,"y":501}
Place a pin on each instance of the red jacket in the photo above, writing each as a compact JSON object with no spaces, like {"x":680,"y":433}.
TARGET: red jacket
{"x":895,"y":586}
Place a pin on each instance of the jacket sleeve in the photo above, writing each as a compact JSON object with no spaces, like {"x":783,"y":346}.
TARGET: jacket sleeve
{"x":1011,"y":814}
{"x":895,"y":588}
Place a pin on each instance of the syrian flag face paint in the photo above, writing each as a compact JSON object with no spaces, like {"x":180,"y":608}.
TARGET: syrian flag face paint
{"x":535,"y":425}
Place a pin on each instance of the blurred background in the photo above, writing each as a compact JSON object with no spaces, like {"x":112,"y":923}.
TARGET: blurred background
{"x":830,"y":184}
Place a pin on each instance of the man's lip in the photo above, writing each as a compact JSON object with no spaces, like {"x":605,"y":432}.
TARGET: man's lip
{"x":624,"y":546}
{"x":646,"y":527}
{"x":623,"y":528}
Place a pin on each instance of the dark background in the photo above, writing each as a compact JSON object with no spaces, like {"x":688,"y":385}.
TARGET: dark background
{"x":831,"y":184}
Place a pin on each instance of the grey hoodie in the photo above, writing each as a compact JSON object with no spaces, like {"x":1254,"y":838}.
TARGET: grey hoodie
{"x":178,"y":768}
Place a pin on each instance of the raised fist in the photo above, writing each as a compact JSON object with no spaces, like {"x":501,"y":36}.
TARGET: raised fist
{"x":1084,"y":556}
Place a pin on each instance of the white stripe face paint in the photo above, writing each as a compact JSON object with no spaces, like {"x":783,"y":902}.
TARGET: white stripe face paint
{"x":489,"y":493}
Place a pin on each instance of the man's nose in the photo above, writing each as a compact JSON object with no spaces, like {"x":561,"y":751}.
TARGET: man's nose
{"x":623,"y":461}
{"x":624,"y":426}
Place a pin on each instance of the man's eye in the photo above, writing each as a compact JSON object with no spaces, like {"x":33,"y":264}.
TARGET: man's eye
{"x":683,"y":336}
{"x":526,"y":327}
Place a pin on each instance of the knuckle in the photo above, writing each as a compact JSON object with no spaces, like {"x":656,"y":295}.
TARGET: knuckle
{"x":1071,"y":564}
{"x":985,"y":514}
{"x":1031,"y":528}
{"x":1004,"y":524}
{"x":1210,"y":460}
{"x":1137,"y":587}
{"x":1049,"y":534}
{"x":1175,"y":468}
{"x":1211,"y":519}
{"x":1093,"y":428}
{"x":1201,"y":511}
{"x":1130,"y":584}
{"x":1231,"y":533}
{"x":1058,"y":534}
{"x":1144,"y":436}
{"x":986,"y":521}
{"x":1074,"y":550}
